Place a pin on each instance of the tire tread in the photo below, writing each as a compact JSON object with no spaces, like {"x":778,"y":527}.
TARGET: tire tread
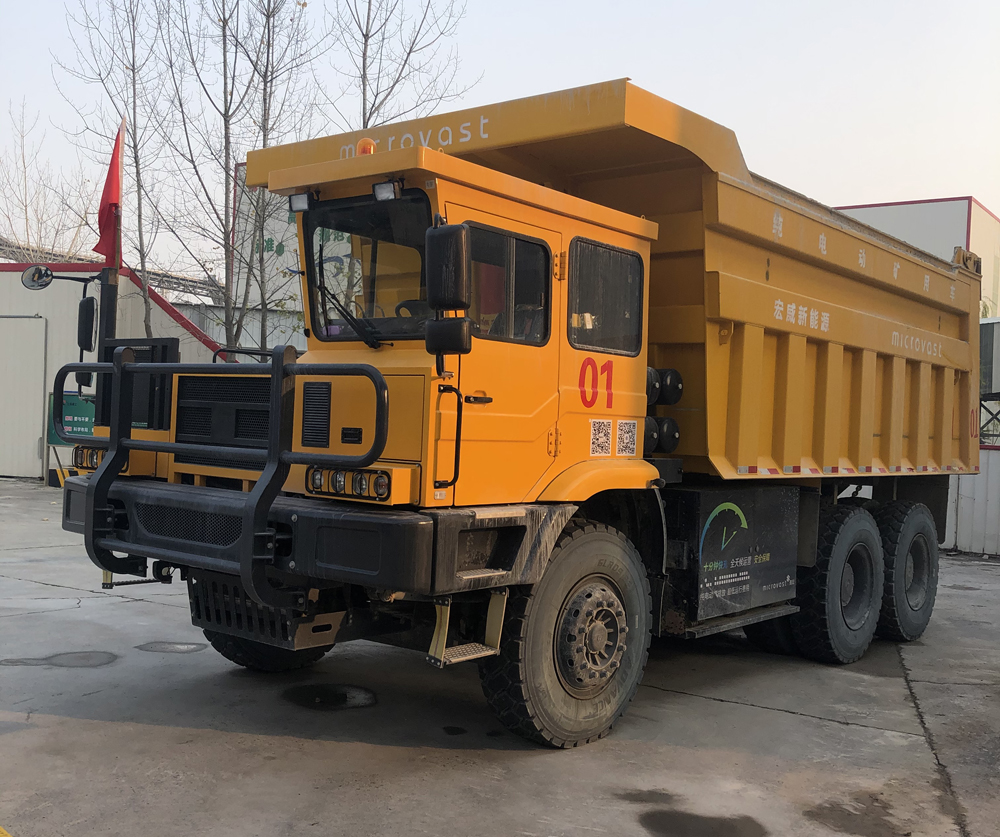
{"x":812,"y":631}
{"x":891,"y":518}
{"x":503,"y":677}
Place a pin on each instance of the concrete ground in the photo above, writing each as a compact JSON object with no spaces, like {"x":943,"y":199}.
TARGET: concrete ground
{"x":116,"y":719}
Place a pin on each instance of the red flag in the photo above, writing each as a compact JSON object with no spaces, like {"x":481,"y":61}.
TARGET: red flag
{"x":107,"y":216}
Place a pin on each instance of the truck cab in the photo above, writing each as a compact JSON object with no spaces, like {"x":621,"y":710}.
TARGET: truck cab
{"x":534,"y":334}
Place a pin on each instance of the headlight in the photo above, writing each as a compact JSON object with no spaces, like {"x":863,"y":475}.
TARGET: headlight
{"x":360,"y":484}
{"x":387,"y":191}
{"x":380,"y":484}
{"x":339,"y":481}
{"x":317,"y":480}
{"x":92,"y":458}
{"x":78,"y":457}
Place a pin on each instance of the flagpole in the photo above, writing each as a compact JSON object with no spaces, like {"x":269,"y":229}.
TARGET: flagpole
{"x":118,"y":208}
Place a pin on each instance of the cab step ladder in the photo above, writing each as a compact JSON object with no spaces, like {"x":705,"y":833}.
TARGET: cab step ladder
{"x":441,"y":655}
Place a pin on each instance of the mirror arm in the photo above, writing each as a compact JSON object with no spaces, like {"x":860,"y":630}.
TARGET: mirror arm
{"x":84,"y":280}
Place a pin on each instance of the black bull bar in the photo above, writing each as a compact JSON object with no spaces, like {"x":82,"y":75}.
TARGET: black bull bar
{"x":256,"y":544}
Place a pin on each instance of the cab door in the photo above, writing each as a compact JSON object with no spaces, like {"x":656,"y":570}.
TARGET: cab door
{"x":510,"y":379}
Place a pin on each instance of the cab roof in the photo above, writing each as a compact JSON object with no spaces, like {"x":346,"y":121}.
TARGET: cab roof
{"x":434,"y":164}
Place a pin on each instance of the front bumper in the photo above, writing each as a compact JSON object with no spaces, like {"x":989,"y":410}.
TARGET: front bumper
{"x":203,"y":527}
{"x":434,"y":552}
{"x":234,"y":526}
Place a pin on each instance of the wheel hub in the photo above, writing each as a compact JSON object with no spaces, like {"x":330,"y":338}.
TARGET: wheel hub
{"x":856,"y":587}
{"x":591,"y":640}
{"x":847,"y":584}
{"x":916,"y":573}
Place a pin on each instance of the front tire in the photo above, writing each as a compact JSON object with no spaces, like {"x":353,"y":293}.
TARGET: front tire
{"x":909,"y":543}
{"x":260,"y":657}
{"x":574,"y":646}
{"x":840,"y":597}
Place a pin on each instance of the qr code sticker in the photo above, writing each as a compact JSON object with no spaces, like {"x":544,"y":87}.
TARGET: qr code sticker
{"x":626,"y":438}
{"x":600,"y":437}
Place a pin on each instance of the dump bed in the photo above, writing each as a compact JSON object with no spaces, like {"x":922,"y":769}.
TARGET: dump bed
{"x":809,"y":343}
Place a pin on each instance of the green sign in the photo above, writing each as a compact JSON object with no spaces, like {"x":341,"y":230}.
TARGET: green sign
{"x":78,"y":416}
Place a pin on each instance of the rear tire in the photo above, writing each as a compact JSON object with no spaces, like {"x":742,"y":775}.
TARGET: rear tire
{"x":574,"y":646}
{"x":775,"y":636}
{"x":910,"y":547}
{"x":840,"y":597}
{"x":260,"y":657}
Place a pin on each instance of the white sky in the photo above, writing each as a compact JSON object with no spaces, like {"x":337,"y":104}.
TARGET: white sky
{"x":848,"y":101}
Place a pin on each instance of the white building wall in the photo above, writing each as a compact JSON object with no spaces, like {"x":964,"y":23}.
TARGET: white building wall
{"x":935,"y":226}
{"x":984,"y":241}
{"x":283,"y":327}
{"x":974,"y":508}
{"x":27,"y":378}
{"x":939,"y":226}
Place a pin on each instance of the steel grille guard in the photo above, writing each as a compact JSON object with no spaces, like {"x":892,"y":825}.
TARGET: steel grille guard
{"x":256,"y":545}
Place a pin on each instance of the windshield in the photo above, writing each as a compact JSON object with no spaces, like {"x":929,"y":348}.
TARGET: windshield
{"x":364,"y":262}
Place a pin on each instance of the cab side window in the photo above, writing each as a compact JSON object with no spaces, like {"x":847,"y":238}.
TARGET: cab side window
{"x":605,"y":298}
{"x":510,"y":287}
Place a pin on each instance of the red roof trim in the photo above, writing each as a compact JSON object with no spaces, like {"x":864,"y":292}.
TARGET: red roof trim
{"x":68,"y":267}
{"x":905,"y":203}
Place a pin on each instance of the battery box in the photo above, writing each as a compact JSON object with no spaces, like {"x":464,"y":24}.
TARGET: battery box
{"x":737,"y":547}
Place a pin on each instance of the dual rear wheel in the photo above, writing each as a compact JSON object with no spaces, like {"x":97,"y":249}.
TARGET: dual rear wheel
{"x":875,"y":574}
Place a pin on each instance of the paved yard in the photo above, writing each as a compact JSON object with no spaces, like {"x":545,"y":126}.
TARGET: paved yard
{"x":116,"y":719}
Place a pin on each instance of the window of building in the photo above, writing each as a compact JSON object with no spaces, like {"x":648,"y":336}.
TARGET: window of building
{"x":605,"y":298}
{"x":510,"y":287}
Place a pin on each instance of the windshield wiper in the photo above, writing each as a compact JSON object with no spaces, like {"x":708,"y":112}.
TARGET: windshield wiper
{"x":364,"y":330}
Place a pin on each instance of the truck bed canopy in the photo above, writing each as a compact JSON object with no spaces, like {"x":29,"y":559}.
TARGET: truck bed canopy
{"x":563,"y":140}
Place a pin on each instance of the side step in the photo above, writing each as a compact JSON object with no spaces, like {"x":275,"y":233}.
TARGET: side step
{"x":469,"y":651}
{"x":440,"y":654}
{"x":731,"y":623}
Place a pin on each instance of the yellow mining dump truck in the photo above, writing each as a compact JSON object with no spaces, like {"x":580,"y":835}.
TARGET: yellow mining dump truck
{"x":575,"y":378}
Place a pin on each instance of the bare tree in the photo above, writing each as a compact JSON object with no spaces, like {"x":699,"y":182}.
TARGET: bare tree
{"x":208,"y":125}
{"x":235,"y":71}
{"x":394,"y":59}
{"x":280,"y":50}
{"x":117,"y":50}
{"x":43,"y":212}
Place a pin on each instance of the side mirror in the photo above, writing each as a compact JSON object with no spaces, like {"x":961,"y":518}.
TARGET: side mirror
{"x":446,"y":257}
{"x":37,"y":277}
{"x":450,"y":336}
{"x":449,"y":288}
{"x":86,"y":318}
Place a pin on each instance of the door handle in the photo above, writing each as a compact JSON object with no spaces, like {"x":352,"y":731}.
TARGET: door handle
{"x":478,"y":399}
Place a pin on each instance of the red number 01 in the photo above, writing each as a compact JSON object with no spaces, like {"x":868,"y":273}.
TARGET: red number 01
{"x":589,"y":380}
